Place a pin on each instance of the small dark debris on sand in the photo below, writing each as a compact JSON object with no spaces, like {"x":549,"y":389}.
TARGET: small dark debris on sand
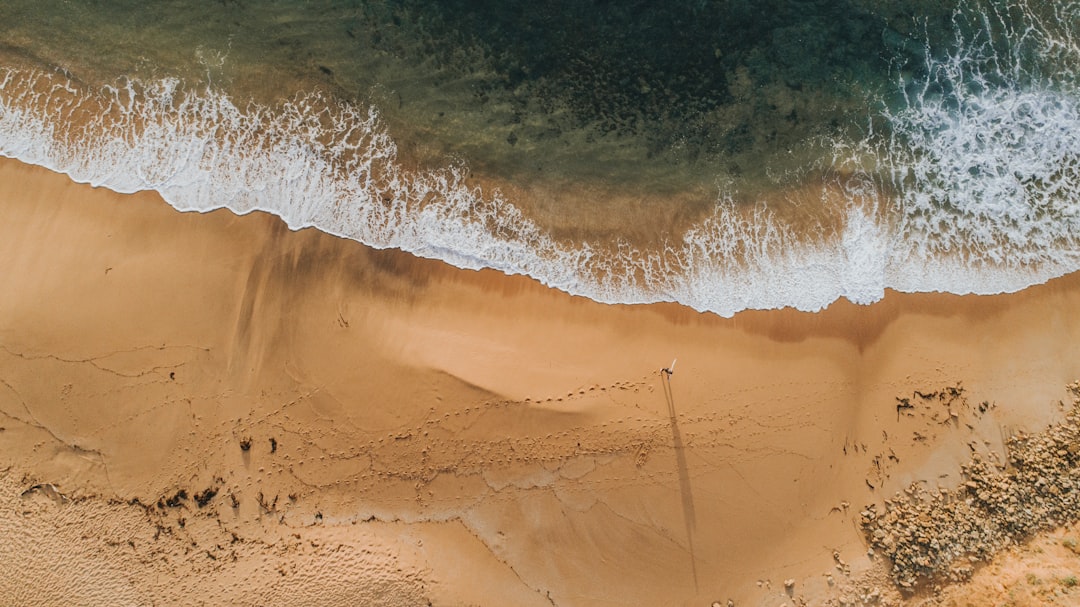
{"x":203,"y":497}
{"x":175,"y":500}
{"x":266,"y":505}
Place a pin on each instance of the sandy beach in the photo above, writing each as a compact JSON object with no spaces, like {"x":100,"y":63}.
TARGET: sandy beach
{"x":206,"y":408}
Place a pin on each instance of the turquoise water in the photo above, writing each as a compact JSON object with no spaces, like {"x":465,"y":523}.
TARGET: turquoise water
{"x":722,"y":154}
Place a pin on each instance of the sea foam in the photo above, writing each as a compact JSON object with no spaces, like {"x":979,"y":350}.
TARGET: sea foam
{"x":974,"y":189}
{"x":984,"y":155}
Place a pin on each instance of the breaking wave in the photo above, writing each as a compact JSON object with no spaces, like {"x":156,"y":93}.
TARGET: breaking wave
{"x":968,"y":183}
{"x":984,"y":155}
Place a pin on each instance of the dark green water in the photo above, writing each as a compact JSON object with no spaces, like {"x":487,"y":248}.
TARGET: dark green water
{"x":663,"y":97}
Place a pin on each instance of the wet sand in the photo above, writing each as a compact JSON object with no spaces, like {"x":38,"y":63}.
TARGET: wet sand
{"x":375,"y":428}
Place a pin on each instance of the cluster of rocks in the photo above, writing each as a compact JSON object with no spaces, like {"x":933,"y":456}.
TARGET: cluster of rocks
{"x":934,"y":536}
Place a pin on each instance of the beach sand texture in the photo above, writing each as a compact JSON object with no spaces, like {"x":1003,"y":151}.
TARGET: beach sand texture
{"x":205,"y":408}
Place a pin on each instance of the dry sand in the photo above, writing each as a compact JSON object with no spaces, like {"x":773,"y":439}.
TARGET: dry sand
{"x":420,"y":433}
{"x":1046,"y":571}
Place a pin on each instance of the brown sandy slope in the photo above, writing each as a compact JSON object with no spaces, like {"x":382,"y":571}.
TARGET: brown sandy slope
{"x":450,"y":436}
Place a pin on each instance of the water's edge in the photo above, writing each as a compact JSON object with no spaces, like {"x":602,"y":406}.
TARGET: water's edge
{"x":966,"y":182}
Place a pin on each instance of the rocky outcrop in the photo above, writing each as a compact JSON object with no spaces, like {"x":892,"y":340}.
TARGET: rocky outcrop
{"x":933,"y":536}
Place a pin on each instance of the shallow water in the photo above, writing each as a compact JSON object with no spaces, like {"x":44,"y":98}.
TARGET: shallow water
{"x":725,"y":155}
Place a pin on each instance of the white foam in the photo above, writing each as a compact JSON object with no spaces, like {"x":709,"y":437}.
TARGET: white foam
{"x":985,"y":157}
{"x":986,"y":176}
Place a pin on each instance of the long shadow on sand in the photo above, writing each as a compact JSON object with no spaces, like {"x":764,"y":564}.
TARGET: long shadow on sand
{"x":689,"y":517}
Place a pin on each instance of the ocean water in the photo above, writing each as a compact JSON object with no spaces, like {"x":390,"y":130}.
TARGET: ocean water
{"x":723,"y":154}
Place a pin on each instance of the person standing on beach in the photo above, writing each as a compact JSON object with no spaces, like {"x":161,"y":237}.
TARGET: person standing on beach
{"x":669,"y":371}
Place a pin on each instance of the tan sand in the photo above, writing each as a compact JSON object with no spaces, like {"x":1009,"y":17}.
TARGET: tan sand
{"x":451,"y":436}
{"x":1045,"y":571}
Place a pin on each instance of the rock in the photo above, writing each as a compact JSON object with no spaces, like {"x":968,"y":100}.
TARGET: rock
{"x":941,"y":534}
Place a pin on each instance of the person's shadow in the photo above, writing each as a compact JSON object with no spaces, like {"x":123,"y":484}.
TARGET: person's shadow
{"x":689,"y":518}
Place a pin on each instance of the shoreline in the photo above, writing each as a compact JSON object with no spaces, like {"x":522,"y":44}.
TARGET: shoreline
{"x":479,"y":427}
{"x":787,"y":255}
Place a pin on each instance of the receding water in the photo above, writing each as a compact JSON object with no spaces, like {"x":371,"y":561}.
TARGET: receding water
{"x":724,"y":154}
